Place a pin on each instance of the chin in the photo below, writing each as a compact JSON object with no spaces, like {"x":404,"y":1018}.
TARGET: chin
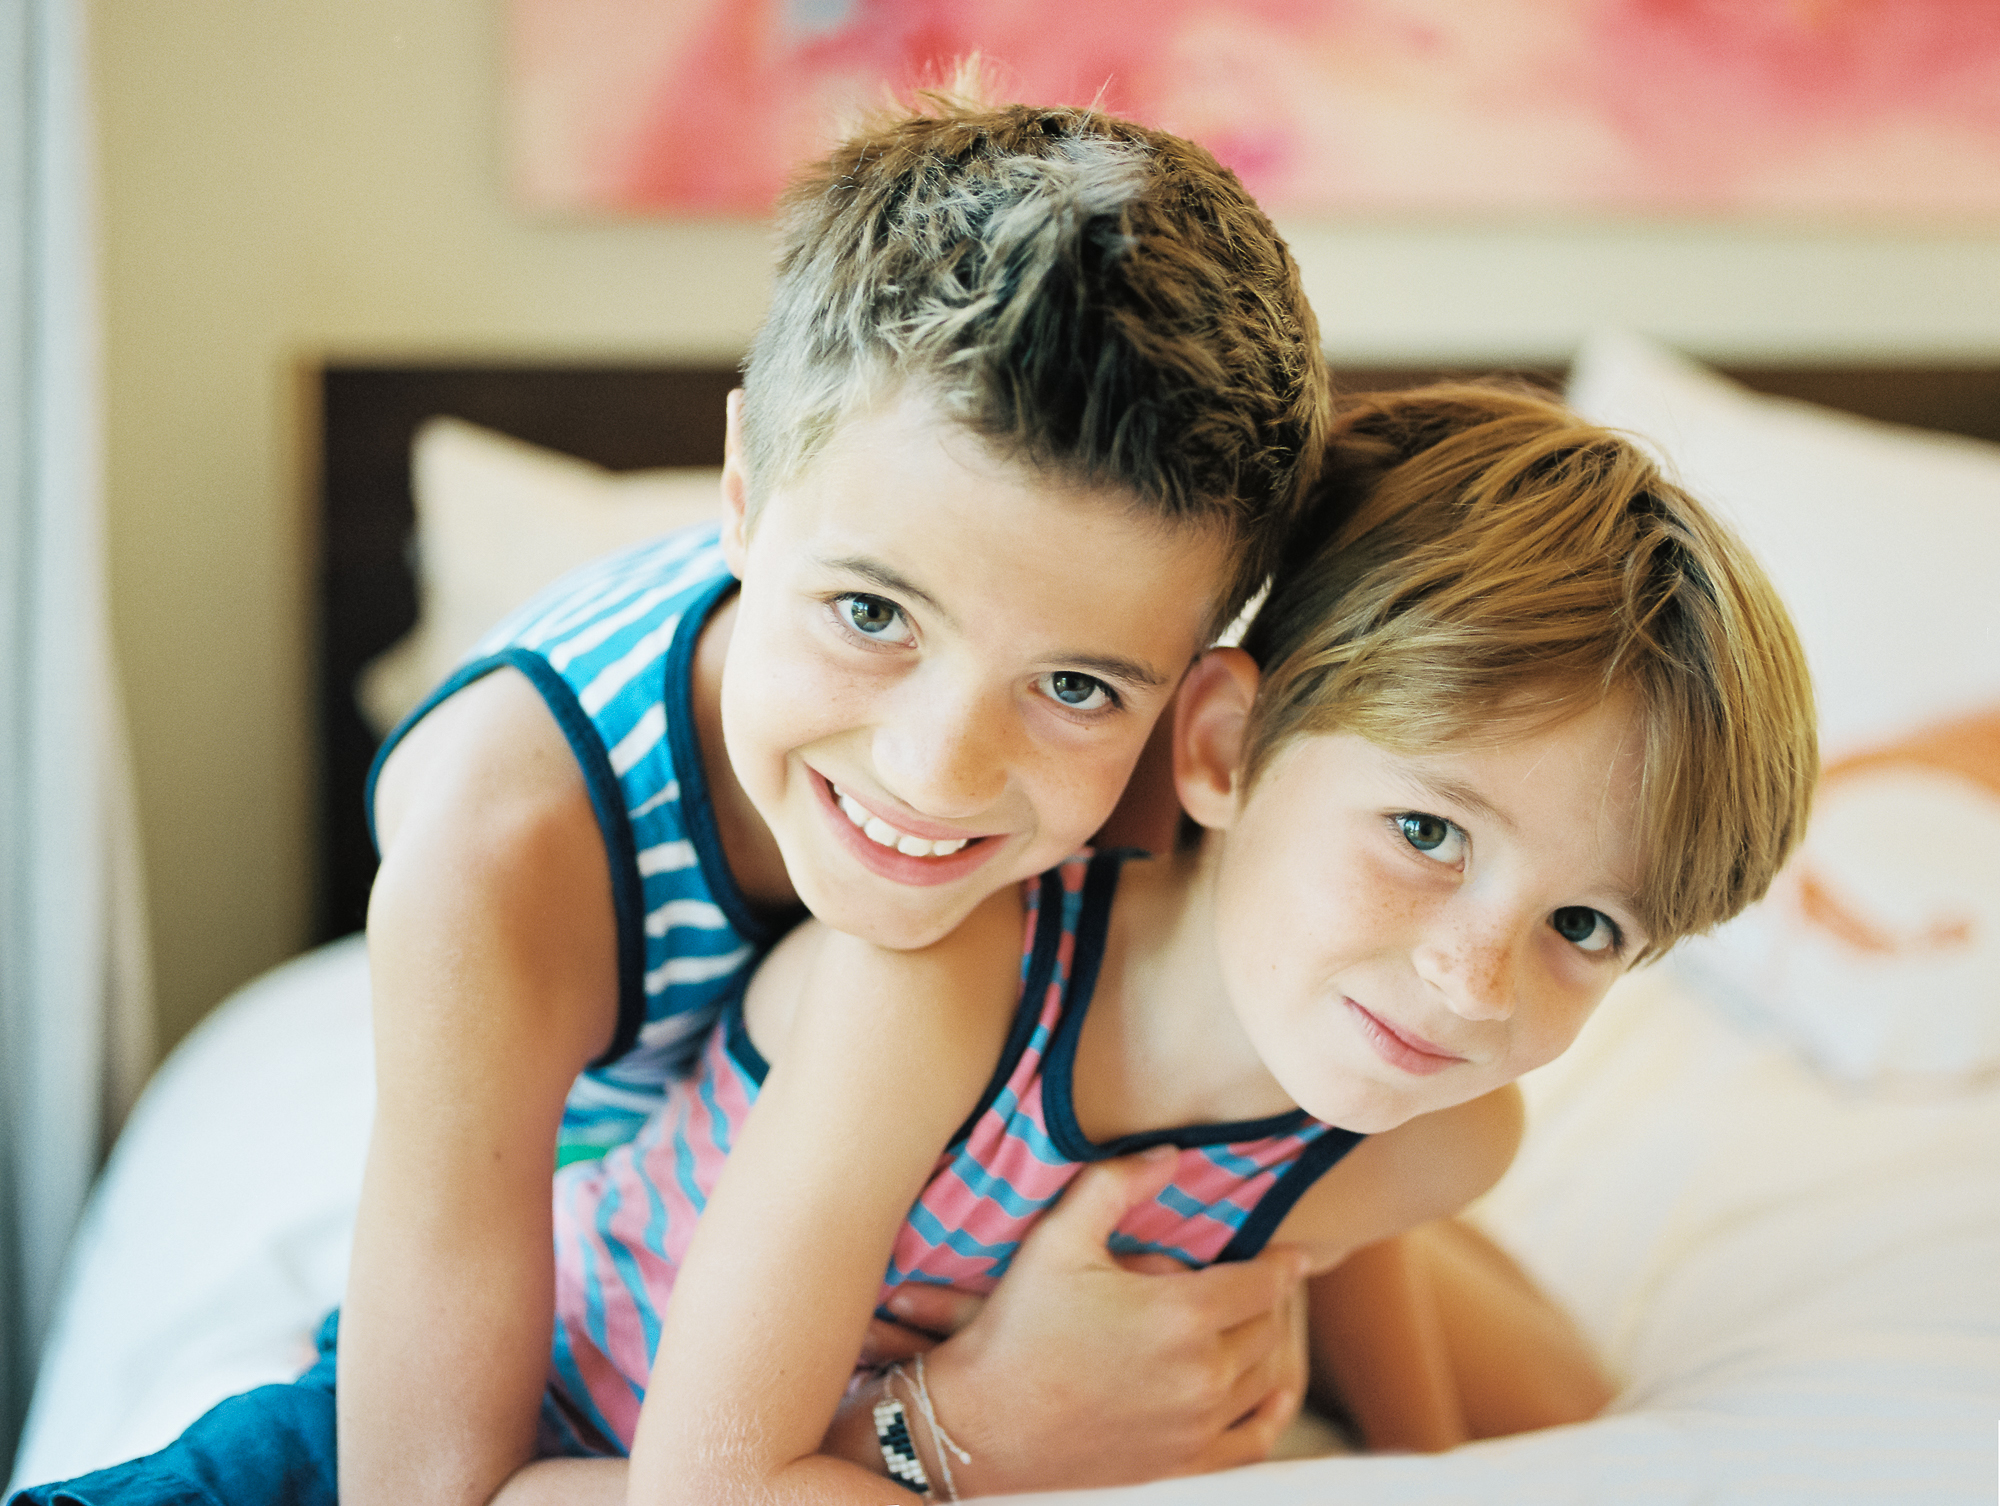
{"x":1364,"y":1113}
{"x":888,"y":926}
{"x":1365,"y":1121}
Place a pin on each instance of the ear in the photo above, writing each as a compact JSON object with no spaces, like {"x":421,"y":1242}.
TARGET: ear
{"x":1211,"y":716}
{"x":735,"y":486}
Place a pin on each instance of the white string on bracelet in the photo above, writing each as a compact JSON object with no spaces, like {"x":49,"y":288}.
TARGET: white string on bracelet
{"x":945,"y":1444}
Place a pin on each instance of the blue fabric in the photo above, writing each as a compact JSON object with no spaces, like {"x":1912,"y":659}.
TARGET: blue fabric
{"x":273,"y":1446}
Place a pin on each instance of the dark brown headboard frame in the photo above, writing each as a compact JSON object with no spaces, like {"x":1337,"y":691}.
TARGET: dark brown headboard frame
{"x":629,"y":417}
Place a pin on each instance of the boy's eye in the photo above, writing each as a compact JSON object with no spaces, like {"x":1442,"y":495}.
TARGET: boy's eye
{"x":872,"y":617}
{"x":1585,"y":929}
{"x":1433,"y":836}
{"x":1079,"y":692}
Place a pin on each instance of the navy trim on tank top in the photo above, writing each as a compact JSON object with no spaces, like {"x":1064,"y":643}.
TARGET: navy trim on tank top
{"x":736,"y":1034}
{"x":1314,"y":1162}
{"x":758,"y":927}
{"x":607,"y":801}
{"x":1035,"y":977}
{"x":1035,"y":983}
{"x":1093,"y":926}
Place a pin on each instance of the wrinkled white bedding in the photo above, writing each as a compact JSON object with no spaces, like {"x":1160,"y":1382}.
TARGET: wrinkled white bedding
{"x":1799,"y":1284}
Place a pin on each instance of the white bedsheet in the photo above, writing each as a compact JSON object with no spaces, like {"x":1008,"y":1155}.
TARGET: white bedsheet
{"x":1800,"y":1286}
{"x":217,"y":1236}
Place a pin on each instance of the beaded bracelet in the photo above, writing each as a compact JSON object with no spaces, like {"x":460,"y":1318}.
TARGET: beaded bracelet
{"x":899,"y":1452}
{"x":942,"y":1443}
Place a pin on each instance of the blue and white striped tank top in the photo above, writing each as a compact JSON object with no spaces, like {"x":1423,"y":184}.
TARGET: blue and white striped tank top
{"x":611,"y":649}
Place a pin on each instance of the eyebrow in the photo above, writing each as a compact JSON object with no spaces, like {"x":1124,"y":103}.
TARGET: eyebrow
{"x":1457,"y":792}
{"x":877,"y":573}
{"x":1463,"y":794}
{"x":1105,"y":666}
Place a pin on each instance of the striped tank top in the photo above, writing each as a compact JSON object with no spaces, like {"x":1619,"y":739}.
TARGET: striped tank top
{"x":611,"y":650}
{"x":623,"y":1225}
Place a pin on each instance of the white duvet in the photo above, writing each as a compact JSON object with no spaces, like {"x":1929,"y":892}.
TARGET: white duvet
{"x":1799,"y":1285}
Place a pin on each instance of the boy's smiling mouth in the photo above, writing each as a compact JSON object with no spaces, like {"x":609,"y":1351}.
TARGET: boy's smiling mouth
{"x":904,"y":857}
{"x":882,"y":833}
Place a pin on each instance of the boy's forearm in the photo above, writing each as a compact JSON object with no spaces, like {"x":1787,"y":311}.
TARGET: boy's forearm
{"x":1436,"y":1337}
{"x":605,"y":1482}
{"x":1378,"y":1352}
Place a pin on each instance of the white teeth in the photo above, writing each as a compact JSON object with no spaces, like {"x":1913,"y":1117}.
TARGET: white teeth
{"x":877,"y":830}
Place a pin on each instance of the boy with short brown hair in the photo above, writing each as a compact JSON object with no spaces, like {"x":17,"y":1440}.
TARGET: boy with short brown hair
{"x":1037,"y":390}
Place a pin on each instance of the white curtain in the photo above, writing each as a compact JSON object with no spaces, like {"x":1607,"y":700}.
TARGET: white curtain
{"x":75,"y":1011}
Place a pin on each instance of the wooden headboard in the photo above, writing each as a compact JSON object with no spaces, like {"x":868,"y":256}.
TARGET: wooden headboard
{"x":629,"y":417}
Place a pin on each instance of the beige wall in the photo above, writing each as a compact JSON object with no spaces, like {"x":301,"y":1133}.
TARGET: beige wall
{"x":284,"y":180}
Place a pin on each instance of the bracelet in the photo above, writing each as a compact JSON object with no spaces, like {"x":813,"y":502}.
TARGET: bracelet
{"x":892,"y":1422}
{"x":899,"y":1452}
{"x":942,"y":1442}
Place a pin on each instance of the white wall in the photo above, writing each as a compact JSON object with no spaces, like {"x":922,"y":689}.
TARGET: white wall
{"x":287,"y":180}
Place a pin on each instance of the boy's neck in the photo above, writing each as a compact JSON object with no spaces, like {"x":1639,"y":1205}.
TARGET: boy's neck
{"x":1161,"y":1046}
{"x":752,"y":852}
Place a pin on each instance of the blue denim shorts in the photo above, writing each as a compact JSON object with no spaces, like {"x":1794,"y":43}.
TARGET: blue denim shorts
{"x":273,"y":1446}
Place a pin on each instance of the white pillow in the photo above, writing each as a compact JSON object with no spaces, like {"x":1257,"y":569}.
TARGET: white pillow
{"x":1878,"y":951}
{"x":497,"y":520}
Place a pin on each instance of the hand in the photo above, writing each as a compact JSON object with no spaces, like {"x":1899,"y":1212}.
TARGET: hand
{"x":921,"y":1318}
{"x":1078,"y":1372}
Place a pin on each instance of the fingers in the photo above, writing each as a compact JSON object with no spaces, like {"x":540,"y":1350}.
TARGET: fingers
{"x":1267,"y":1355}
{"x":1252,"y":1438}
{"x":888,"y":1343}
{"x":1078,"y":1226}
{"x":1150,"y":1264}
{"x":918,"y":1318}
{"x":1257,"y":1356}
{"x":1229,"y":1295}
{"x":940,"y":1311}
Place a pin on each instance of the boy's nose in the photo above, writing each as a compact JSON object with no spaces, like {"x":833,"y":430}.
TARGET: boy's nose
{"x":1475,"y":963}
{"x":946,"y":759}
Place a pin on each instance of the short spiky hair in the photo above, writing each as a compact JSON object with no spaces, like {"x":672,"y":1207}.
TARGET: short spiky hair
{"x":1479,"y":559}
{"x":1086,"y":295}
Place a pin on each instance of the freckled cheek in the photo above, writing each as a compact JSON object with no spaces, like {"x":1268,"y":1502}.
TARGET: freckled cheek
{"x":1557,"y":1018}
{"x":1072,"y":794}
{"x":1373,"y":902}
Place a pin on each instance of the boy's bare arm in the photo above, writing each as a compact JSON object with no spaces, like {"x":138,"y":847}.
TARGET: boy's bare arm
{"x":840,"y":1139}
{"x":493,"y":968}
{"x":1425,"y":1169}
{"x":1436,"y":1337}
{"x":1404,"y":1323}
{"x":878,"y":1057}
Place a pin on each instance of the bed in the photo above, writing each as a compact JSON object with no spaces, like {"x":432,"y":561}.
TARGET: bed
{"x":1766,"y":1179}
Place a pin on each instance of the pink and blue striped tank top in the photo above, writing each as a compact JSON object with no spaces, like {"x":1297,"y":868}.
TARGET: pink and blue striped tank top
{"x":623,"y":1224}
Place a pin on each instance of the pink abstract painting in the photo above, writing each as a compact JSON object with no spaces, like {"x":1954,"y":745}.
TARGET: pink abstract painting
{"x":1869,"y":107}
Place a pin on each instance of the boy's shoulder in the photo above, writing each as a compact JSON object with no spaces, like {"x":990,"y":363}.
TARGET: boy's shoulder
{"x":1425,"y":1169}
